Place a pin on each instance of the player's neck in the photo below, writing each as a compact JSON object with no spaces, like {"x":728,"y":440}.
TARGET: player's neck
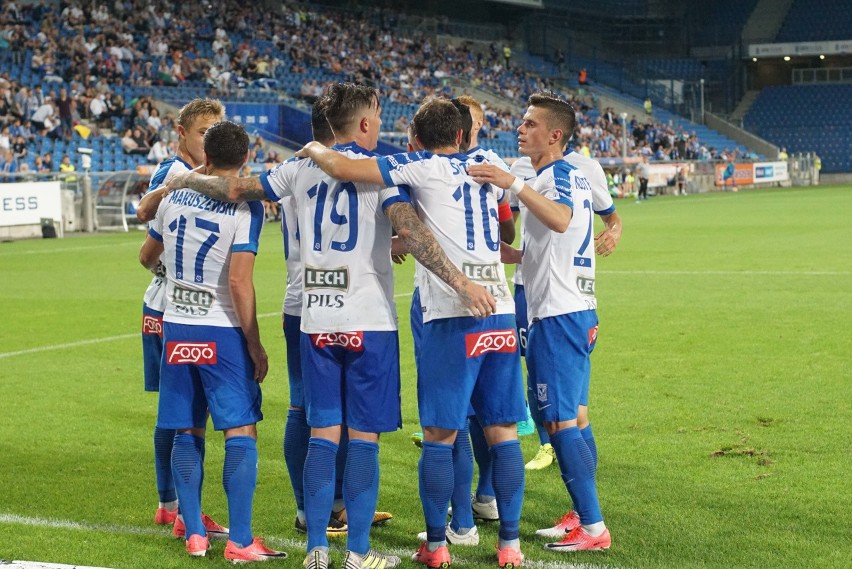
{"x":185,"y":156}
{"x":445,"y":150}
{"x":224,"y":172}
{"x":549,"y":156}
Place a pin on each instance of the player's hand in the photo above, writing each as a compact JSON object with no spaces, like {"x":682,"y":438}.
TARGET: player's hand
{"x":490,"y":174}
{"x":398,"y":259}
{"x":605,"y":243}
{"x":509,"y":255}
{"x":260,"y":360}
{"x":305,"y":151}
{"x":479,"y":301}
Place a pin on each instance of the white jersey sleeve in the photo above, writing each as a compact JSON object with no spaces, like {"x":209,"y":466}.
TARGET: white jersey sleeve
{"x":155,"y":294}
{"x":559,"y":268}
{"x":199,"y":234}
{"x":462,"y":215}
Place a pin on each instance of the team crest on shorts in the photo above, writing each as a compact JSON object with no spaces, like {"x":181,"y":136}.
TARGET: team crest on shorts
{"x":541,"y":391}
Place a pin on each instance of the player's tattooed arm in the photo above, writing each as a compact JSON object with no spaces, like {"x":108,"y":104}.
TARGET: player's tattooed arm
{"x":226,"y":189}
{"x":423,"y":247}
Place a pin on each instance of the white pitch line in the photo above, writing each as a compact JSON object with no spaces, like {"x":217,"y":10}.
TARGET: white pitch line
{"x":62,"y":250}
{"x":113,"y":338}
{"x":41,"y":565}
{"x":730,"y":273}
{"x":272,"y":540}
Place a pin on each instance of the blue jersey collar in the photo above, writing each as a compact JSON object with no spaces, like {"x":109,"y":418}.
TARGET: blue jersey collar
{"x":353,"y":146}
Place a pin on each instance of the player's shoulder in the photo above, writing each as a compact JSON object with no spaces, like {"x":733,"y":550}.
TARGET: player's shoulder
{"x":166,"y":169}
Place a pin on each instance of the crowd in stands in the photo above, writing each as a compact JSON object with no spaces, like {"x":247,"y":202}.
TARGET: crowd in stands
{"x":105,"y":46}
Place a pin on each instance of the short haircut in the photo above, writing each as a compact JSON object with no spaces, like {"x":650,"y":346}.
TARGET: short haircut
{"x":319,"y":124}
{"x":200,"y":108}
{"x":437,"y":123}
{"x":466,"y":123}
{"x":346,"y":102}
{"x":476,"y":110}
{"x":560,"y":114}
{"x":226,"y":144}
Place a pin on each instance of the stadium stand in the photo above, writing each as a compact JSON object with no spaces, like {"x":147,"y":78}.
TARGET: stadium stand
{"x":805,"y":118}
{"x":285,"y":58}
{"x":816,"y":21}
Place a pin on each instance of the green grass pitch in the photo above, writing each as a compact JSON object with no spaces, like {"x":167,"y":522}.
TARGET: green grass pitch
{"x":720,"y":398}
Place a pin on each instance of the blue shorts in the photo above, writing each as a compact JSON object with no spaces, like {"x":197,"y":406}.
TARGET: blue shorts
{"x":470,"y":361}
{"x":559,"y":365}
{"x":294,"y":360}
{"x":207,"y":367}
{"x":521,"y":317}
{"x":352,"y":379}
{"x":152,"y":346}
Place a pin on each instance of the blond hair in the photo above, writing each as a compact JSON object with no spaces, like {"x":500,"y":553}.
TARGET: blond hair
{"x":200,"y":108}
{"x":475,"y":107}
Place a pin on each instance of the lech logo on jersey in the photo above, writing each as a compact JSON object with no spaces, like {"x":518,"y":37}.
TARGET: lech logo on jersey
{"x":585,"y":285}
{"x":482,"y":272}
{"x":327,"y":278}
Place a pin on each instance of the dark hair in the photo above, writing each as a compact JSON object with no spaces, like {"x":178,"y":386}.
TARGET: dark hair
{"x":437,"y":123}
{"x":344,"y":103}
{"x":560,"y":113}
{"x":226,"y":144}
{"x":319,"y":124}
{"x":466,"y":123}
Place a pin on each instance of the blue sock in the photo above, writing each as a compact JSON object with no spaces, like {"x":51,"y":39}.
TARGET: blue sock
{"x":319,"y":489}
{"x":188,"y":472}
{"x":484,"y":486}
{"x":239,"y":477}
{"x":578,"y":473}
{"x":297,"y":433}
{"x":436,"y":488}
{"x":590,"y":442}
{"x":164,"y":440}
{"x":543,"y":437}
{"x":360,"y":492}
{"x":509,"y":486}
{"x":340,"y":471}
{"x":462,"y":480}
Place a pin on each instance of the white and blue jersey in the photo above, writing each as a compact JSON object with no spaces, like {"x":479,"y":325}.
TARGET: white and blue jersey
{"x":462,"y":215}
{"x":480,"y":155}
{"x":155,"y":295}
{"x":521,"y":168}
{"x":198,"y":234}
{"x":345,"y":240}
{"x":292,"y":307}
{"x":349,"y":321}
{"x":480,"y":361}
{"x":559,"y":268}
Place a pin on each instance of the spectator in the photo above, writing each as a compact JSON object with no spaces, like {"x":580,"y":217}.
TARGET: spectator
{"x":98,"y":108}
{"x":130,"y":146}
{"x":65,"y":167}
{"x":66,"y":113}
{"x":159,"y":152}
{"x":649,"y":106}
